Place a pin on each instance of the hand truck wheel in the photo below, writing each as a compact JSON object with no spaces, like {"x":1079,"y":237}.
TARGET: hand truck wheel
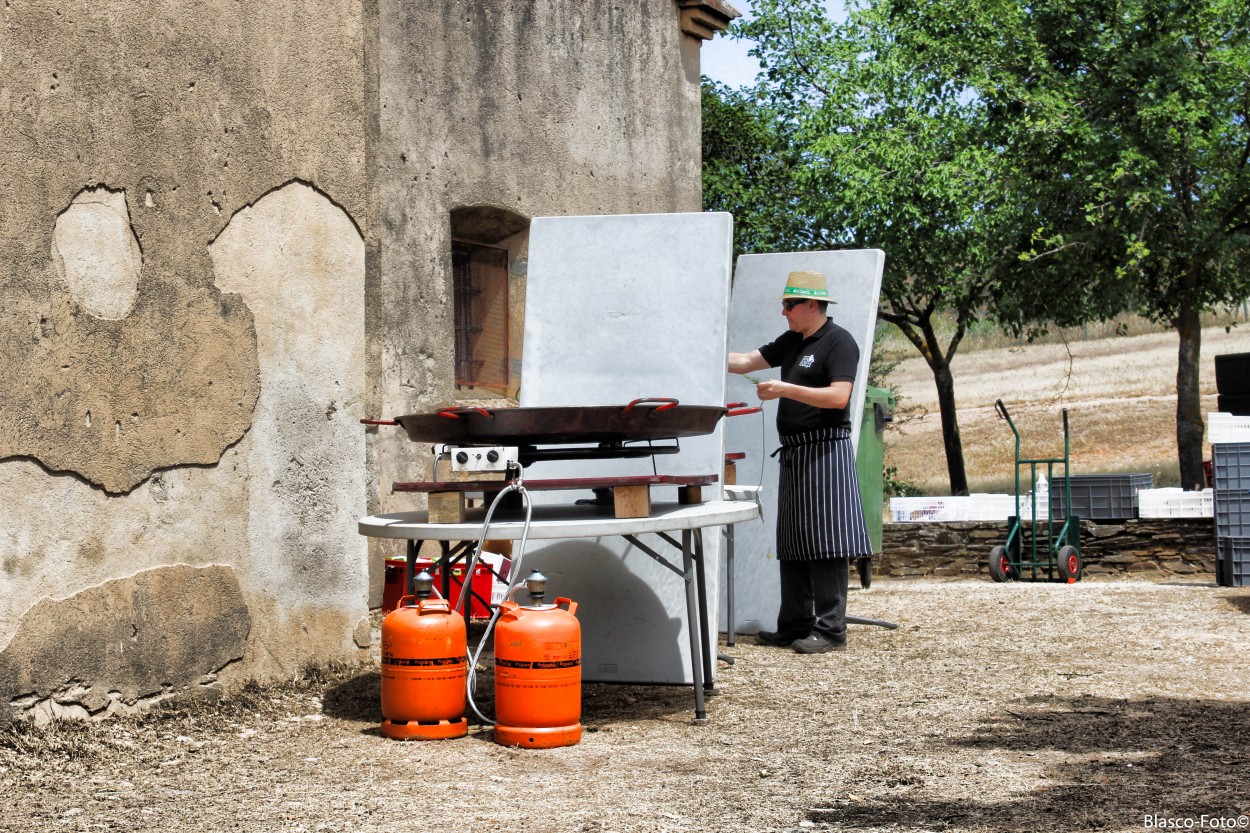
{"x":1070,"y":566}
{"x":1001,"y":568}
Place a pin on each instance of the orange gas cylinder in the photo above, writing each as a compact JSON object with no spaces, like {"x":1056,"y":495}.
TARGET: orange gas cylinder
{"x":538,"y":671}
{"x":424,"y":668}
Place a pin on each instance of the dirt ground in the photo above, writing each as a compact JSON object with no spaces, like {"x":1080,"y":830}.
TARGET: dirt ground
{"x":1021,"y":707}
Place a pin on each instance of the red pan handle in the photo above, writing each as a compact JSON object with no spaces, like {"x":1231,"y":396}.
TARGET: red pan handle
{"x":668,"y":403}
{"x":456,"y":413}
{"x":379,"y":422}
{"x":733,"y":411}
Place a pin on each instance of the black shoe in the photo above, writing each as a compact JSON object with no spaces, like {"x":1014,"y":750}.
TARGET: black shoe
{"x":817,"y":644}
{"x":776,"y":639}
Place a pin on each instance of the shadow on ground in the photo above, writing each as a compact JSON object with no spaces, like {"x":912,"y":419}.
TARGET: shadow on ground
{"x":359,"y":698}
{"x":1122,"y":760}
{"x":1241,"y":603}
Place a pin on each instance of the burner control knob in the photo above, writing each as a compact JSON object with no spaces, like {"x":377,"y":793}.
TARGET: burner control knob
{"x":492,"y":456}
{"x":462,"y":457}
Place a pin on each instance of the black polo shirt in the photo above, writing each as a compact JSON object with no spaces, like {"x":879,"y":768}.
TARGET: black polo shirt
{"x":828,"y":355}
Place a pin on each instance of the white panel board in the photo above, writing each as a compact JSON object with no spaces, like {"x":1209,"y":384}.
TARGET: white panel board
{"x":755,"y":319}
{"x":617,"y":308}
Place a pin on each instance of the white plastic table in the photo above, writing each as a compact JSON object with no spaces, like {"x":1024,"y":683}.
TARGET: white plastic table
{"x":588,"y":521}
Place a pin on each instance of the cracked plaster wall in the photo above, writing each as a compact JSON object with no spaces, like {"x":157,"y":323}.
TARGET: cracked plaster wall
{"x":140,"y":410}
{"x":394,"y":115}
{"x":125,"y":642}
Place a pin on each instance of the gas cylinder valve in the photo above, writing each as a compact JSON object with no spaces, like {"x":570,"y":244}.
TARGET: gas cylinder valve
{"x":423,"y":585}
{"x":536,"y":583}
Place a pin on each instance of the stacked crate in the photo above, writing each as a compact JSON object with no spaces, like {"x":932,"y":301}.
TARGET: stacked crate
{"x":1232,"y":512}
{"x":1229,"y":434}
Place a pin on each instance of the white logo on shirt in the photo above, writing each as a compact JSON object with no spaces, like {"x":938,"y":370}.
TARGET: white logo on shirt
{"x":807,"y":360}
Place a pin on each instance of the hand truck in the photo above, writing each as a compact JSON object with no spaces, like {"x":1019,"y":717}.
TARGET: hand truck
{"x":1027,"y":555}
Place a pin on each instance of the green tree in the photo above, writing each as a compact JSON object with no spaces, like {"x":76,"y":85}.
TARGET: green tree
{"x":1132,"y":116}
{"x":1040,"y":164}
{"x":749,"y":160}
{"x":895,"y":156}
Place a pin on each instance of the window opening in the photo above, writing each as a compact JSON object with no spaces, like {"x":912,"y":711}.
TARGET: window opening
{"x":480,"y":287}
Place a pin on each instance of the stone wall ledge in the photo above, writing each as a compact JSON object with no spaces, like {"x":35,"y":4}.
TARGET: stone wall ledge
{"x":1140,"y":547}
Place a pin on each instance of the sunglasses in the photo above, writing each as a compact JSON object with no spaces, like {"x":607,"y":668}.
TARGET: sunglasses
{"x":792,"y":303}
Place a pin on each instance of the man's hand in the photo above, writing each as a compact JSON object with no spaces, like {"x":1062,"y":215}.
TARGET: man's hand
{"x":772,"y":389}
{"x":837,"y":395}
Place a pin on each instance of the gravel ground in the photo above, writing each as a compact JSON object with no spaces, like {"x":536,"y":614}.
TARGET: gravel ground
{"x":1108,"y":705}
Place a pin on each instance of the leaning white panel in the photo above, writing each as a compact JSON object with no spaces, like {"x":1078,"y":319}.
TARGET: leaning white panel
{"x":617,"y":308}
{"x":755,"y":319}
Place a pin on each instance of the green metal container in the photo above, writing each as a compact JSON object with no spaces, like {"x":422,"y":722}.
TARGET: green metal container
{"x":870,"y":458}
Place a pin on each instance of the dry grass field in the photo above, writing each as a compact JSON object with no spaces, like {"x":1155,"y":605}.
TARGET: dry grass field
{"x":1120,"y":393}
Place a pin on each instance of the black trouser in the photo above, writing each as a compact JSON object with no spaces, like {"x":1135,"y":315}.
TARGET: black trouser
{"x":813,"y":597}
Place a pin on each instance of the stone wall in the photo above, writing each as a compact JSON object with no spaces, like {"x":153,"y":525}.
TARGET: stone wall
{"x":1140,"y":548}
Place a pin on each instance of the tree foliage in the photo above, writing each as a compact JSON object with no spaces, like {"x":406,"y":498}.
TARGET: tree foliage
{"x":1132,"y":118}
{"x":750,"y":156}
{"x":1038,"y":164}
{"x":895,"y":156}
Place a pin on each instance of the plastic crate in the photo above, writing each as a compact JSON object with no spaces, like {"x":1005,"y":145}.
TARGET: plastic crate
{"x":1227,"y":428}
{"x":1232,"y":373}
{"x":482,"y":586}
{"x":1230,"y":466}
{"x":1175,"y":503}
{"x":990,"y":507}
{"x":1232,"y":562}
{"x":1099,"y":497}
{"x":905,"y":510}
{"x":1232,"y":513}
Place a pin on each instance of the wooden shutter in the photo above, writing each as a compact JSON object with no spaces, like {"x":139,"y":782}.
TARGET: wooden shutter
{"x":480,"y":284}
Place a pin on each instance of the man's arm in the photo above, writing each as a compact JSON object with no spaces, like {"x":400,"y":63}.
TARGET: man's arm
{"x":746,"y":362}
{"x":837,"y":395}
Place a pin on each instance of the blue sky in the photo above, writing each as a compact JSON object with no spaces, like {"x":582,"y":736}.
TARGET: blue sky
{"x":726,"y":60}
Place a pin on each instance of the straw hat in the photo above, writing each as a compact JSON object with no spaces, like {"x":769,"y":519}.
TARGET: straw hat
{"x":809,"y":286}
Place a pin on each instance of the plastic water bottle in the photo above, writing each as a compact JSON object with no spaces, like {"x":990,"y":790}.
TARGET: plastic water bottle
{"x":1041,"y":489}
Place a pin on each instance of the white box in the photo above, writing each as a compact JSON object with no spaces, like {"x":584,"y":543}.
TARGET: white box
{"x":1175,"y":503}
{"x":1227,"y":428}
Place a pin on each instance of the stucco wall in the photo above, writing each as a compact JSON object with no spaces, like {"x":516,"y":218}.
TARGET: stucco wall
{"x":552,"y":108}
{"x":533,"y":107}
{"x":224,"y":238}
{"x":180,"y":185}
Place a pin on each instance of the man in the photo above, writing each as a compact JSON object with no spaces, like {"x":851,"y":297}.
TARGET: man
{"x":820,"y":520}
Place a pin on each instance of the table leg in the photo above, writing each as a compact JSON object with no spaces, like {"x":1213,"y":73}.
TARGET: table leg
{"x":709,"y":649}
{"x":410,"y":571}
{"x":730,"y":622}
{"x":692,"y":616}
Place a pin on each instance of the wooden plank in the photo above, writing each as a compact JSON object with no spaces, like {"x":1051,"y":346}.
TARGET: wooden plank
{"x":446,"y":507}
{"x":632,"y":501}
{"x":689,"y":495}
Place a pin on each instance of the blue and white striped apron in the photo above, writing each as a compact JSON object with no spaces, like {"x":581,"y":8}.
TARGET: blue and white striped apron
{"x":819,"y":511}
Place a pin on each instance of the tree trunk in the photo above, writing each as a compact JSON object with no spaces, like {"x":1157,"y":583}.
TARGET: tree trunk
{"x":1188,"y":402}
{"x":950,"y":427}
{"x":915,"y":321}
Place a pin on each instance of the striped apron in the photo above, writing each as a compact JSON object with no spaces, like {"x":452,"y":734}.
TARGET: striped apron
{"x":819,"y":511}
